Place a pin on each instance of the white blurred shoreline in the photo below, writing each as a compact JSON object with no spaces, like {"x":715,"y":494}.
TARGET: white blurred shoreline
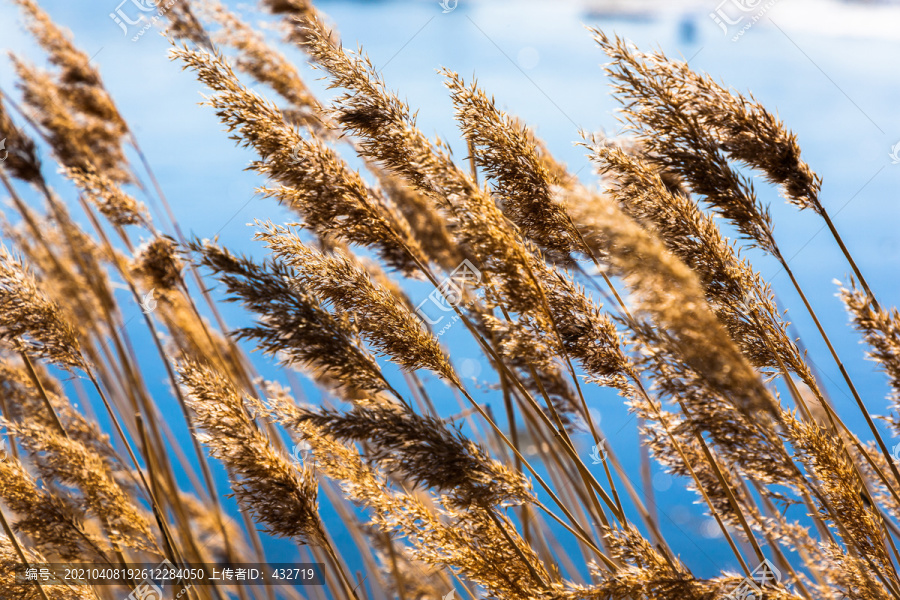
{"x":874,"y":19}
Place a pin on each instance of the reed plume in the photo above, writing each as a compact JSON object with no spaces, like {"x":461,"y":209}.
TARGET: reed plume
{"x":24,"y":402}
{"x":280,"y":496}
{"x":30,"y":321}
{"x":53,"y":520}
{"x":676,"y":139}
{"x":116,"y":205}
{"x":746,"y":130}
{"x":390,"y":328}
{"x":11,"y":565}
{"x":740,"y":298}
{"x":292,"y":323}
{"x":550,"y":301}
{"x":422,"y":450}
{"x":21,"y":153}
{"x":315,"y":182}
{"x":69,"y":462}
{"x":262,"y":62}
{"x":82,"y":122}
{"x":469,"y":542}
{"x":184,"y":24}
{"x":523,"y":184}
{"x":881,"y":330}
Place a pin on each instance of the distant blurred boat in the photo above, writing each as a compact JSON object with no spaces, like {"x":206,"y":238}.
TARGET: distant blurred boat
{"x":634,"y":9}
{"x":622,"y":9}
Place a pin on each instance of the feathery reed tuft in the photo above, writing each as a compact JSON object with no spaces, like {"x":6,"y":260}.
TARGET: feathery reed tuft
{"x":279,"y":495}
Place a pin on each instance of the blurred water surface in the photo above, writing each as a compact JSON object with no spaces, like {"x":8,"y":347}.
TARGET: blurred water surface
{"x":828,"y":68}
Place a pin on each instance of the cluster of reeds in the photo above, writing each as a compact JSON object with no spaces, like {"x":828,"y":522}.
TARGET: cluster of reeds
{"x":691,"y":339}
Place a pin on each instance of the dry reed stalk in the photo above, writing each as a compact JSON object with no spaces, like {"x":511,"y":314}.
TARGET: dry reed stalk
{"x":747,"y":131}
{"x":90,"y":114}
{"x":674,"y":136}
{"x":390,"y":328}
{"x":262,"y":62}
{"x":316,"y":211}
{"x":117,"y":206}
{"x":422,"y":450}
{"x":389,"y":136}
{"x":258,"y":473}
{"x":52,"y":519}
{"x":469,"y":541}
{"x":74,"y":464}
{"x":881,"y":330}
{"x":93,"y":290}
{"x":30,"y":321}
{"x":632,"y":258}
{"x":21,"y":159}
{"x":89,"y":263}
{"x":706,"y":329}
{"x":778,"y":453}
{"x":526,"y":284}
{"x":13,"y":557}
{"x":158,"y":267}
{"x":431,"y":232}
{"x":731,"y":286}
{"x":315,"y":182}
{"x":41,"y":328}
{"x":665,"y":121}
{"x":292,"y":324}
